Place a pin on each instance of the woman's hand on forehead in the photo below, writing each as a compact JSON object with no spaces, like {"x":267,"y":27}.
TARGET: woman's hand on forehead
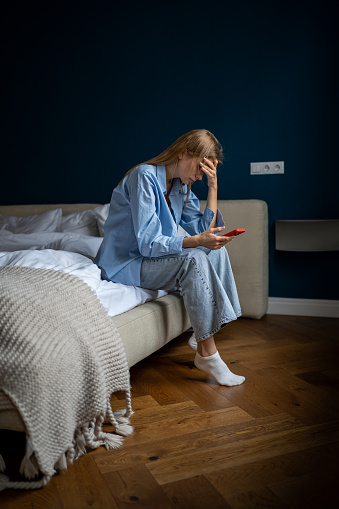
{"x":210,"y":169}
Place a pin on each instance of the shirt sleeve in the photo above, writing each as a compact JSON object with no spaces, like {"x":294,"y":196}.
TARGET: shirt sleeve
{"x":144,"y":195}
{"x":193,"y":221}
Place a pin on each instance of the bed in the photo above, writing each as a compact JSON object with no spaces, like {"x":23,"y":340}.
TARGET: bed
{"x":60,"y":241}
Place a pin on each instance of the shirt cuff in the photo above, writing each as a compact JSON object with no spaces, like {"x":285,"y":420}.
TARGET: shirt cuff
{"x":206,"y":219}
{"x":176,"y":245}
{"x":209,"y":215}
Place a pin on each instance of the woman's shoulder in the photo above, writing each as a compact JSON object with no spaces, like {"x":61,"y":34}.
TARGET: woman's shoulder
{"x":141,"y":172}
{"x":145,"y":168}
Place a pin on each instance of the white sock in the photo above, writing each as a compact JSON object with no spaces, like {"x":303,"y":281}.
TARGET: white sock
{"x":215,"y":367}
{"x":192,"y":343}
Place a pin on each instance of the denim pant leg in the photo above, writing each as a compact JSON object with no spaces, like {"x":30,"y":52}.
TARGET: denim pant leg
{"x":221,"y":263}
{"x":204,"y":279}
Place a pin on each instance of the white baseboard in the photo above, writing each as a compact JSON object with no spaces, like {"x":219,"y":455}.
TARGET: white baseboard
{"x":303,"y":307}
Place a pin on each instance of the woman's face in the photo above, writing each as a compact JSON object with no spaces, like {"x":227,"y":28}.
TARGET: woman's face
{"x":189,"y":169}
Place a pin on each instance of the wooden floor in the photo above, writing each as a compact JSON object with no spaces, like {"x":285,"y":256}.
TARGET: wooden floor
{"x":272,"y":442}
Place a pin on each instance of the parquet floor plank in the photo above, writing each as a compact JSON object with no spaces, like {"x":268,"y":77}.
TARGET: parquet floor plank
{"x":162,"y":414}
{"x":135,"y":486}
{"x":261,"y":498}
{"x":307,"y":392}
{"x":181,"y":494}
{"x":247,"y":397}
{"x":82,"y":486}
{"x":183,"y":425}
{"x":244,"y":451}
{"x":270,"y":471}
{"x":144,"y":403}
{"x":39,"y":499}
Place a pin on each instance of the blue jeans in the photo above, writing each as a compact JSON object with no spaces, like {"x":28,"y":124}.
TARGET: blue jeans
{"x":204,"y":279}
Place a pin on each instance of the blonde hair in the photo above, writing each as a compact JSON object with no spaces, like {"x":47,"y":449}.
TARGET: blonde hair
{"x":197,"y":143}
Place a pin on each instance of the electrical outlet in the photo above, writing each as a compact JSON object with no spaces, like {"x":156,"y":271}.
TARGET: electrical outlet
{"x":272,"y":168}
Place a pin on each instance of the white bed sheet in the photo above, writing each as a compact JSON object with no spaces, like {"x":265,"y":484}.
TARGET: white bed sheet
{"x":115,"y":298}
{"x":65,"y":241}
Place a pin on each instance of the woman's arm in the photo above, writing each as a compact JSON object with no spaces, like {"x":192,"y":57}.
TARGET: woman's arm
{"x":194,"y":221}
{"x":210,"y":169}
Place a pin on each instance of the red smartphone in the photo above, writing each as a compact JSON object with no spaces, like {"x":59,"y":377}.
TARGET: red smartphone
{"x":234,"y":232}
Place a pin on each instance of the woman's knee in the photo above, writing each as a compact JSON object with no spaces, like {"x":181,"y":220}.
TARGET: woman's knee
{"x":196,"y":255}
{"x":218,"y":255}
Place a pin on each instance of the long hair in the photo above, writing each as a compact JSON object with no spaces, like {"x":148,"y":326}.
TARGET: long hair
{"x":197,"y":143}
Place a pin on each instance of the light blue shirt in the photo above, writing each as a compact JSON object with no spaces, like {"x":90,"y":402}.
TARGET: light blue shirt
{"x":140,"y":223}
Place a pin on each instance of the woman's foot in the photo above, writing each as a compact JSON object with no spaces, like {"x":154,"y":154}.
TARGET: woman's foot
{"x":192,"y":343}
{"x":215,"y":367}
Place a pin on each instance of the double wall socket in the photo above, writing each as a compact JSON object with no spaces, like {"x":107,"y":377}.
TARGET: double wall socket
{"x":267,"y":168}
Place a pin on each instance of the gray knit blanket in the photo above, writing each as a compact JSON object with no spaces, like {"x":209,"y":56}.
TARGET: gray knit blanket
{"x":61,"y":358}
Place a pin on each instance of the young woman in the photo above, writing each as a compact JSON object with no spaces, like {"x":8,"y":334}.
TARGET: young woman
{"x":141,"y":246}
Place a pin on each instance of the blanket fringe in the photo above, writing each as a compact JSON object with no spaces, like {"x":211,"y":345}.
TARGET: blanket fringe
{"x":61,"y":464}
{"x":22,"y":485}
{"x":79,"y":444}
{"x":111,"y":441}
{"x":121,"y":428}
{"x":120,"y":418}
{"x":29,"y":466}
{"x":70,"y":455}
{"x":129,"y":410}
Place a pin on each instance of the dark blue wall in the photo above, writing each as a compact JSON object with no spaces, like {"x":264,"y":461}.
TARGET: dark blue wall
{"x":92,"y":88}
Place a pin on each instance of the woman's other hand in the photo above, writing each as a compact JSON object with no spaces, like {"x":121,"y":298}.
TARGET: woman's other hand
{"x":208,"y":239}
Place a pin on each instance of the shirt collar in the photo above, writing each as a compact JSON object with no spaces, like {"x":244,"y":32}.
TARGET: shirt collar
{"x":176,"y":186}
{"x":161,"y":176}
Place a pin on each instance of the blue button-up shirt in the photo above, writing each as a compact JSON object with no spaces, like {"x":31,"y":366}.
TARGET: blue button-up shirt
{"x":140,"y":223}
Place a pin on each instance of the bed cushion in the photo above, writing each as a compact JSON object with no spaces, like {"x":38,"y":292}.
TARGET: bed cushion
{"x":84,"y":222}
{"x":47,"y":221}
{"x":159,"y":321}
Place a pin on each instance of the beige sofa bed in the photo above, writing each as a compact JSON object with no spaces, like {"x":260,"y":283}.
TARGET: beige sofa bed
{"x":148,"y":327}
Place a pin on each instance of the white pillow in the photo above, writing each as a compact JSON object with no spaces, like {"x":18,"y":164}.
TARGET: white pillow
{"x":19,"y":241}
{"x":102,"y":214}
{"x":84,"y":223}
{"x":47,"y":222}
{"x":82,"y":244}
